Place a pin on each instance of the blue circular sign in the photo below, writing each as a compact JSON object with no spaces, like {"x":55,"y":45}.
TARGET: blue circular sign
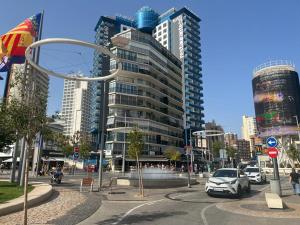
{"x":272,"y":142}
{"x":76,"y":155}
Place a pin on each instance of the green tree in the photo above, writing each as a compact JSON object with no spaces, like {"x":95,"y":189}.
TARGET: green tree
{"x":231,"y":151}
{"x":7,"y":132}
{"x":172,"y":154}
{"x":85,"y":145}
{"x":27,"y":108}
{"x":216,"y":148}
{"x":293,"y":153}
{"x":136,"y":145}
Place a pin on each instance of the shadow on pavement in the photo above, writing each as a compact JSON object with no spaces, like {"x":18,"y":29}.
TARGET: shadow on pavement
{"x":142,"y":217}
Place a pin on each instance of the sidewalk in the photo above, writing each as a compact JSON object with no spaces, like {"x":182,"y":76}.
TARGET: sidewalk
{"x":256,"y":206}
{"x":40,"y":193}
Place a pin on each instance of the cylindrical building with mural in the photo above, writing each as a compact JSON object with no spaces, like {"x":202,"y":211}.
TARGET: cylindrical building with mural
{"x":276,"y":94}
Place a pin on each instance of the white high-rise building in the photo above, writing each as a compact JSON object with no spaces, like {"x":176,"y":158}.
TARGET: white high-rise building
{"x":76,"y":107}
{"x":248,"y":127}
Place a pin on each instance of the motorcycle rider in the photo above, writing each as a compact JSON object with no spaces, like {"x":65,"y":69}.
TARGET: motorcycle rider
{"x":57,"y":175}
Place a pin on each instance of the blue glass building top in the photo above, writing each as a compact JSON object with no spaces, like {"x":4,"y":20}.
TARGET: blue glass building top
{"x":146,"y":19}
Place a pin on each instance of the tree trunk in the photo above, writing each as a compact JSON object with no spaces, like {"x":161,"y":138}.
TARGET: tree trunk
{"x":26,"y":182}
{"x":19,"y":179}
{"x":25,"y":154}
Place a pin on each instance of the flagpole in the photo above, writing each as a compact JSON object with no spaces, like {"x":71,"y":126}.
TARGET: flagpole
{"x":39,"y":37}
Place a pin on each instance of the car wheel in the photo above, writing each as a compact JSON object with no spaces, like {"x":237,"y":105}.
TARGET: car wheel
{"x":248,"y":189}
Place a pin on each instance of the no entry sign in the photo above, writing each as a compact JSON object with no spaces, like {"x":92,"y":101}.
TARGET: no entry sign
{"x":272,"y":152}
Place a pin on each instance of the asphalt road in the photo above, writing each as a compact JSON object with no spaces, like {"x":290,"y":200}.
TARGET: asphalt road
{"x":180,"y":207}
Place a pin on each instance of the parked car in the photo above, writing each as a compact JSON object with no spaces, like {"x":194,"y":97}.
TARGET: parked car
{"x":256,"y":174}
{"x":228,"y":181}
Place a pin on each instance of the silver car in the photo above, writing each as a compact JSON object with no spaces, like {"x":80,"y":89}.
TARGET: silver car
{"x":255,"y":174}
{"x":228,"y":181}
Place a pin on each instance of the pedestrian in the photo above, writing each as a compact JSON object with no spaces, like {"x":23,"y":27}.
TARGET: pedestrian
{"x":294,"y":180}
{"x":1,"y":167}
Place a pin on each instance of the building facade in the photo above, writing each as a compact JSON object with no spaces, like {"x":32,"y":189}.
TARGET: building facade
{"x":146,"y":94}
{"x":76,"y":107}
{"x":248,"y":127}
{"x":179,"y":31}
{"x":243,"y":150}
{"x":106,"y":28}
{"x":230,"y":140}
{"x":276,"y":94}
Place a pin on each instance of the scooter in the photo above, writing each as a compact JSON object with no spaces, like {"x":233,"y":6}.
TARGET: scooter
{"x":56,"y":177}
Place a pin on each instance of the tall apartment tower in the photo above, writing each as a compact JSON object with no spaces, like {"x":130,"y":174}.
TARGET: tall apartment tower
{"x":76,"y":107}
{"x":106,"y":28}
{"x":179,"y":32}
{"x":249,"y":129}
{"x":40,"y":80}
{"x":146,"y":94}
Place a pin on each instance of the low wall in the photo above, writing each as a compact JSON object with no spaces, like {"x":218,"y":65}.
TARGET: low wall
{"x":155,"y":183}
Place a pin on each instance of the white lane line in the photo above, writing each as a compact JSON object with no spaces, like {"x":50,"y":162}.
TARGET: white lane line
{"x":139,"y":206}
{"x":203,"y":213}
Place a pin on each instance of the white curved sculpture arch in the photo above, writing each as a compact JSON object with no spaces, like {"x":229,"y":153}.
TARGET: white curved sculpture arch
{"x":99,"y":48}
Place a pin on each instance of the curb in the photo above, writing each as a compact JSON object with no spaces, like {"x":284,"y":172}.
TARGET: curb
{"x":40,"y":193}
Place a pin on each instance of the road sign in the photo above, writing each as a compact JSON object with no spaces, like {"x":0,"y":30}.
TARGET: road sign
{"x":272,"y":142}
{"x":75,"y":155}
{"x":76,"y":149}
{"x":272,"y":152}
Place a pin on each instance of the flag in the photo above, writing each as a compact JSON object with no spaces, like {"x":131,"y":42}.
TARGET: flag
{"x":14,"y":43}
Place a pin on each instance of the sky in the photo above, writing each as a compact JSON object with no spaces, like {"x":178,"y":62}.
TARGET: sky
{"x":236,"y":36}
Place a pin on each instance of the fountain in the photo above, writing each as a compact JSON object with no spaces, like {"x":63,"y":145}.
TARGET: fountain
{"x":155,"y":178}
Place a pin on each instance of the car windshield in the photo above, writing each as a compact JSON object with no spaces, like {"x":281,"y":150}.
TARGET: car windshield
{"x":225,"y":173}
{"x":251,"y":170}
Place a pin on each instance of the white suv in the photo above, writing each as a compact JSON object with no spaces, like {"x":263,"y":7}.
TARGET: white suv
{"x":255,"y":174}
{"x":228,"y":181}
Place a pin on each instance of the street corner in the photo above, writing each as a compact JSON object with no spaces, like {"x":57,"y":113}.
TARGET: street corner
{"x":260,"y":209}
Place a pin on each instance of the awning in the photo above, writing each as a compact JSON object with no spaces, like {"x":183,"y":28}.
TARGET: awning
{"x":10,"y":160}
{"x":5,"y":155}
{"x":150,"y":159}
{"x":50,"y":159}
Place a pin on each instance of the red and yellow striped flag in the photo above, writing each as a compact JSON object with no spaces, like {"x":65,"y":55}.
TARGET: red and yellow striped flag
{"x":14,"y":43}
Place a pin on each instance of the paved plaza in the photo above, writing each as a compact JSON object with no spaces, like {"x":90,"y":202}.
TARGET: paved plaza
{"x":173,"y":206}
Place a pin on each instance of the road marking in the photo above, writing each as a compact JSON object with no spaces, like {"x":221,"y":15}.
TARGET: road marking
{"x":203,"y":213}
{"x":139,"y":206}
